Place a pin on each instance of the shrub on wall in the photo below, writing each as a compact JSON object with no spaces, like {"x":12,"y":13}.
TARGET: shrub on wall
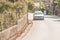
{"x":10,"y":12}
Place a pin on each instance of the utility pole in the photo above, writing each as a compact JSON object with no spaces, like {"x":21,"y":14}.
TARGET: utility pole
{"x":27,"y":13}
{"x":49,"y":6}
{"x":53,"y":7}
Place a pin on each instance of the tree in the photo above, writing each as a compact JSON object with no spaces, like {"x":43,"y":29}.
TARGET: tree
{"x":58,"y":3}
{"x":30,"y":6}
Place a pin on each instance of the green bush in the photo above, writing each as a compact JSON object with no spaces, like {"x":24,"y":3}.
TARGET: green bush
{"x":30,"y":6}
{"x":9,"y":15}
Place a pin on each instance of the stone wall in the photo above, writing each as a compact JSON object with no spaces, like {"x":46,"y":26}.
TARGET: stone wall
{"x":4,"y":35}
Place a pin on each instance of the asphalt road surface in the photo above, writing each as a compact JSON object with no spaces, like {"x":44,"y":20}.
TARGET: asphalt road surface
{"x":47,"y":29}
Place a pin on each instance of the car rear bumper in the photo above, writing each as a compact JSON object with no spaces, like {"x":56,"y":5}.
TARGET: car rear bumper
{"x":38,"y":18}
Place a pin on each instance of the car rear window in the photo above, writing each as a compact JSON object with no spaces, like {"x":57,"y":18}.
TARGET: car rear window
{"x":39,"y":13}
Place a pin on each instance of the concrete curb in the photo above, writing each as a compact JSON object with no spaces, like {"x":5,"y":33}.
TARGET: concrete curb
{"x":26,"y":31}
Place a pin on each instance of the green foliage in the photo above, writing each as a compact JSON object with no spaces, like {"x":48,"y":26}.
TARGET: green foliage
{"x":58,"y":3}
{"x":3,"y":7}
{"x":30,"y":6}
{"x":11,"y":12}
{"x":13,"y":1}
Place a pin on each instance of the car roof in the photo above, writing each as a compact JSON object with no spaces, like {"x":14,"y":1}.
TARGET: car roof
{"x":38,"y":11}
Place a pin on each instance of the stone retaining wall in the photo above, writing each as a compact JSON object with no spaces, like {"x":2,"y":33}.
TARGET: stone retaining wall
{"x":4,"y":35}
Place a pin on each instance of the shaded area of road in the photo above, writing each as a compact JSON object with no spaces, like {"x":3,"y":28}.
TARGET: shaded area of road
{"x":47,"y":29}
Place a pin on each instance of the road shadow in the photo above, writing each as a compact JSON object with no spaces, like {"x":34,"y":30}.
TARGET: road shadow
{"x":56,"y":20}
{"x":54,"y":17}
{"x":38,"y":20}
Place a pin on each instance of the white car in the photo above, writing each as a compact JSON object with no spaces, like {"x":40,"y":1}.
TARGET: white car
{"x":38,"y":15}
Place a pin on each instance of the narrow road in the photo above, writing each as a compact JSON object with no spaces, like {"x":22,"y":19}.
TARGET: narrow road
{"x":47,"y":29}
